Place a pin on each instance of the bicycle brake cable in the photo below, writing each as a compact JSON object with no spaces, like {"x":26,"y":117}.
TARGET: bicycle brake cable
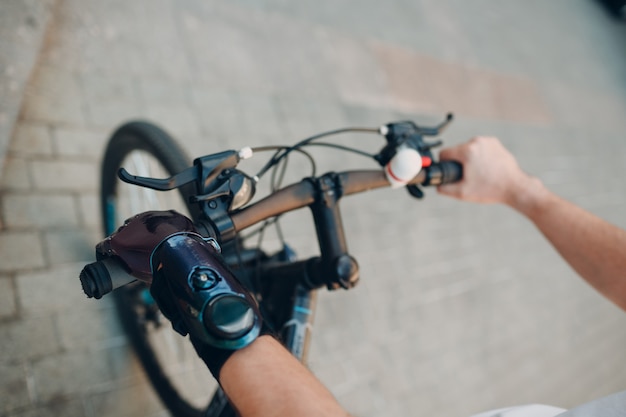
{"x":282,"y":148}
{"x":342,"y":148}
{"x":280,"y":154}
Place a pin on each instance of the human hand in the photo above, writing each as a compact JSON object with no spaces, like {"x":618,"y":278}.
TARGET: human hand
{"x":490,"y":172}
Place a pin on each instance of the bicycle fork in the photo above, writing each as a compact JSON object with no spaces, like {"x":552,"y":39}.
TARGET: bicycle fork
{"x":296,"y":333}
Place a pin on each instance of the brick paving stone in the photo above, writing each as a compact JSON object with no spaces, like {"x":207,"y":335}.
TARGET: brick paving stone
{"x":180,"y":120}
{"x":110,"y":114}
{"x":328,"y":114}
{"x":80,"y":142}
{"x":14,"y":390}
{"x":43,"y":211}
{"x":15,"y":174}
{"x":333,"y":374}
{"x":126,"y":401}
{"x":89,"y":327}
{"x":71,"y":372}
{"x":520,"y":99}
{"x":54,"y":290}
{"x":410,"y":77}
{"x":8,"y":306}
{"x":110,"y":99}
{"x":54,"y":96}
{"x":124,"y":364}
{"x":57,"y":407}
{"x":20,"y":250}
{"x":260,"y":119}
{"x":70,"y":245}
{"x":63,"y":175}
{"x":357,"y":75}
{"x":105,"y":88}
{"x":28,"y":338}
{"x":218,"y":114}
{"x":32,"y":139}
{"x":302,"y":69}
{"x":296,"y":115}
{"x":577,"y":106}
{"x":89,"y":211}
{"x":22,"y":31}
{"x":422,"y":83}
{"x":158,"y":91}
{"x":239,"y":60}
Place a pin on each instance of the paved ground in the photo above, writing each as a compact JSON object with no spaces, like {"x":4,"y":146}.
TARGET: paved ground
{"x":23,"y":25}
{"x":461,"y":308}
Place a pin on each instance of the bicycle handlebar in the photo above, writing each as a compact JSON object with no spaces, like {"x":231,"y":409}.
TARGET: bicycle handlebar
{"x":103,"y":276}
{"x":302,"y":194}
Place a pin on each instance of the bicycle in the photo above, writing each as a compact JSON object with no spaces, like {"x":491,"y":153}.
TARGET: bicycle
{"x":216,"y":196}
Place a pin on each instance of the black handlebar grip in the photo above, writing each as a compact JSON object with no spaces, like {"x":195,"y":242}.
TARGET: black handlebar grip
{"x":451,"y":171}
{"x":102,"y":277}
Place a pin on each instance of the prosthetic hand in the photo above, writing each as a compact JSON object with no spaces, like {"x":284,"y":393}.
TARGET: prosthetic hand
{"x":188,"y":279}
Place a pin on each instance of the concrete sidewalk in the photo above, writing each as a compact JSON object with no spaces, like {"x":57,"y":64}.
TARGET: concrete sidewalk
{"x":461,"y":308}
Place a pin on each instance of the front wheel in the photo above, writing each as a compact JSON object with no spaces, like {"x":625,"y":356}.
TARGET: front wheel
{"x":178,"y":376}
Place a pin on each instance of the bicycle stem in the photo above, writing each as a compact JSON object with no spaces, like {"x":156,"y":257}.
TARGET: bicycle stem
{"x":340,"y":269}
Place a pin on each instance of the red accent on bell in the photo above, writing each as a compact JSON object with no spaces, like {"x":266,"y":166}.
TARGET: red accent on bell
{"x":390,"y":172}
{"x":426,"y":161}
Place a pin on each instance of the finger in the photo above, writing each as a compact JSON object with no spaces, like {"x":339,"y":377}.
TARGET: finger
{"x":450,"y":190}
{"x":456,"y":153}
{"x":447,"y":154}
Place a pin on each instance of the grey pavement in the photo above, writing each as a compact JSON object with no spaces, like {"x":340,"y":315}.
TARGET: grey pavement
{"x":461,"y":308}
{"x":23,"y":25}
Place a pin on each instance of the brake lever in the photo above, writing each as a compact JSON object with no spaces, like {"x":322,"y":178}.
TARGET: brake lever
{"x":427,"y":146}
{"x":165,"y":184}
{"x":206,"y":168}
{"x":434,"y":131}
{"x":415,"y":191}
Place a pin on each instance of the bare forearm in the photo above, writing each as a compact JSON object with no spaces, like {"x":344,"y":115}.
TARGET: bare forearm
{"x":595,"y":248}
{"x":264,"y":379}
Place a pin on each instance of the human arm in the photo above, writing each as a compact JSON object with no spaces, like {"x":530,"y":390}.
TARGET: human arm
{"x":595,"y":248}
{"x":264,"y":379}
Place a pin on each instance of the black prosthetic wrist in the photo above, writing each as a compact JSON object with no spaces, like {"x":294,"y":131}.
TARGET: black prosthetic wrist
{"x":199,"y":294}
{"x":213,"y":357}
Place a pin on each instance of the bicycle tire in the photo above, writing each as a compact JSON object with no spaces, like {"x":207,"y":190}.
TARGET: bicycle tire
{"x":128,"y":140}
